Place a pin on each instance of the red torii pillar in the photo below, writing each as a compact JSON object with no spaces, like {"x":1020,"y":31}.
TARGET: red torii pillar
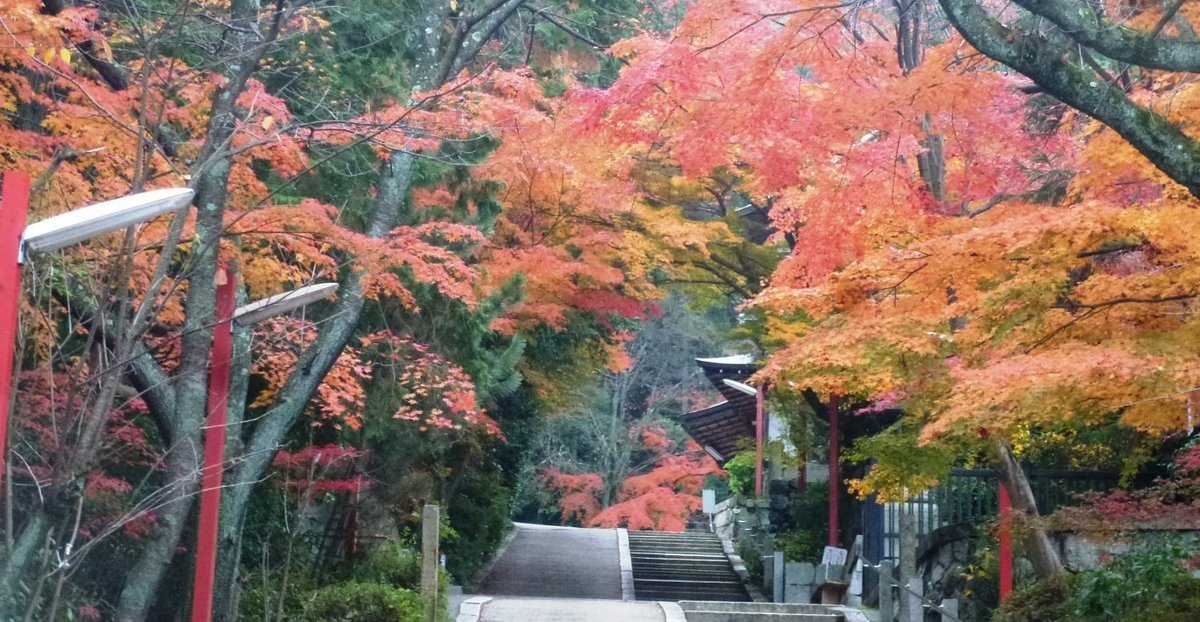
{"x":220,"y":358}
{"x":1006,"y":549}
{"x":14,"y":206}
{"x":834,"y":493}
{"x":759,"y":439}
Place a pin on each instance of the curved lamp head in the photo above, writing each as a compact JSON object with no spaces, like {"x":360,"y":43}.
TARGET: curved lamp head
{"x":740,"y":386}
{"x":282,"y":303}
{"x":88,"y":222}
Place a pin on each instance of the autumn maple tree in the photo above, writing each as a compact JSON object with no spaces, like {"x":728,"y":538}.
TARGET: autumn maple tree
{"x":664,"y":498}
{"x":959,"y":242}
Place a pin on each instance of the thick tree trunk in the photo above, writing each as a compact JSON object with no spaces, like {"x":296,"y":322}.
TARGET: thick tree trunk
{"x":394,"y":179}
{"x":183,"y":457}
{"x":432,"y":56}
{"x":145,"y":577}
{"x":1041,"y":552}
{"x":25,"y":551}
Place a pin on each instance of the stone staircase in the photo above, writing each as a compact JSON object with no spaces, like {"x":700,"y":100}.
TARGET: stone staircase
{"x":683,"y":566}
{"x":702,"y":611}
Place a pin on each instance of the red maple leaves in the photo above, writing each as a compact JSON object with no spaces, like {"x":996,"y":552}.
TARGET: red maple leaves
{"x":663,"y":498}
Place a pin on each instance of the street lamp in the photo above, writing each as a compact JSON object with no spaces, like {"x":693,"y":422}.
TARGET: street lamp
{"x":740,"y":386}
{"x":218,"y":404}
{"x":88,"y":222}
{"x":282,"y":303}
{"x":51,"y":234}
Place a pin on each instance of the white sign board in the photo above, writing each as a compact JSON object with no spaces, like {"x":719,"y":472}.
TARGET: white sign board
{"x":834,"y":556}
{"x":709,"y":499}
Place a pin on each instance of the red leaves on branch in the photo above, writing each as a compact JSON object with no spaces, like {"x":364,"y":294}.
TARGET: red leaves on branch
{"x":580,"y":493}
{"x":327,"y":468}
{"x":663,"y":498}
{"x":440,"y":397}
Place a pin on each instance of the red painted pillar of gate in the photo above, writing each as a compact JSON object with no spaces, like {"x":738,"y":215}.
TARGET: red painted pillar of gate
{"x":760,"y":435}
{"x":1006,"y":551}
{"x":214,"y":448}
{"x":14,"y":207}
{"x":834,"y":478}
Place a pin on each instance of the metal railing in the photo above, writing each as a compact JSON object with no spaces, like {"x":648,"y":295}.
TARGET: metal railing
{"x":970,"y":497}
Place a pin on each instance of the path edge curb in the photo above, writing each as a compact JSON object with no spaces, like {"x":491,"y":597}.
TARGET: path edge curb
{"x":472,"y":608}
{"x":627,"y":589}
{"x":672,"y":612}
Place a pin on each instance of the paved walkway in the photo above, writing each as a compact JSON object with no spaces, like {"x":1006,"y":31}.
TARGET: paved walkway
{"x":557,"y":562}
{"x":558,"y":574}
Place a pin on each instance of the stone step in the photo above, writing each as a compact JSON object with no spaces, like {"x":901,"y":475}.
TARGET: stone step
{"x":697,"y":605}
{"x":677,"y":549}
{"x":636,"y":553}
{"x":678,"y":556}
{"x":674,"y":566}
{"x":709,"y":611}
{"x":680,"y":593}
{"x":651,"y":575}
{"x":671,"y":534}
{"x":674,"y":537}
{"x":698,"y":550}
{"x":696,"y":546}
{"x":690,"y":589}
{"x":658,"y":589}
{"x":725,"y":616}
{"x":685,"y":570}
{"x":682,"y":567}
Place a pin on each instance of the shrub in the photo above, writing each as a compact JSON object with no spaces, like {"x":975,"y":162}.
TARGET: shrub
{"x":1149,"y":584}
{"x":741,"y":473}
{"x":752,"y":557}
{"x":1133,"y":586}
{"x":804,"y":545}
{"x":803,"y":522}
{"x":1044,"y":601}
{"x":391,"y":564}
{"x":363,"y":602}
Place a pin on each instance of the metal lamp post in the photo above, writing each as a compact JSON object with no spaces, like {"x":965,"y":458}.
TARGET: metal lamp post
{"x":17,"y":239}
{"x":218,"y":399}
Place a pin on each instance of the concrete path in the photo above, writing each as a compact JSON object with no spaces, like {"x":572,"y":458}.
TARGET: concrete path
{"x":557,"y":562}
{"x":569,"y":610}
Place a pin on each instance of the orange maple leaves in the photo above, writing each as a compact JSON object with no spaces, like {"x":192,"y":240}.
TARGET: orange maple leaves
{"x":438,"y":395}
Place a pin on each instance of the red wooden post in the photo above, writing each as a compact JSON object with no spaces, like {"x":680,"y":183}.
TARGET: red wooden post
{"x":214,"y":448}
{"x":1006,"y":552}
{"x":14,"y":208}
{"x":834,"y":456}
{"x":759,"y":440}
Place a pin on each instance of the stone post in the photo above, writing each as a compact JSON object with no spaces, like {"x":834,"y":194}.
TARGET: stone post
{"x":887,"y":609}
{"x":777,"y":583}
{"x":949,"y":610}
{"x":913,"y":596}
{"x":431,"y":524}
